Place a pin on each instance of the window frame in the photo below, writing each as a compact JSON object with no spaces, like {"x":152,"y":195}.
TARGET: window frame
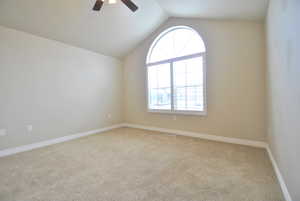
{"x":171,"y":61}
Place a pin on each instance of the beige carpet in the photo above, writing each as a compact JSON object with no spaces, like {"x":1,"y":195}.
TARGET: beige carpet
{"x":137,"y":165}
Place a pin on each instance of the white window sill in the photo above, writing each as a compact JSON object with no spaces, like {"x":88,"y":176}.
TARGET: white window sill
{"x":193,"y":113}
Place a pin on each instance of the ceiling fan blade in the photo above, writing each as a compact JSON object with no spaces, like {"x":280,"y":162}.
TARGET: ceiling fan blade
{"x":98,"y":5}
{"x":130,"y":5}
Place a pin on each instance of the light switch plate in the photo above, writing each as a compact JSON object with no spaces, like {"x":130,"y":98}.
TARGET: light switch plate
{"x":29,"y":128}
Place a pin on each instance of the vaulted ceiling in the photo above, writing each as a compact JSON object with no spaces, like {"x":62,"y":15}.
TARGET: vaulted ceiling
{"x":115,"y":30}
{"x":216,"y":9}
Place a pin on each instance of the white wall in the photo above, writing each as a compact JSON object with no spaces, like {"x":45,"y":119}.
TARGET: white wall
{"x":283,"y":32}
{"x":59,"y":89}
{"x":236,"y":81}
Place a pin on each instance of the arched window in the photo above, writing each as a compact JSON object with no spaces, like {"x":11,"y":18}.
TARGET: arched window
{"x":176,"y":72}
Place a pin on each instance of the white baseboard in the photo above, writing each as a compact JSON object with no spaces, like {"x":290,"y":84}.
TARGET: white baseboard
{"x":11,"y":151}
{"x":251,"y":143}
{"x":281,"y":181}
{"x":15,"y":150}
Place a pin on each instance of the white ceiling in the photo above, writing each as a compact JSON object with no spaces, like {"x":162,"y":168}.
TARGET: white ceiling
{"x":115,"y":30}
{"x":216,"y":9}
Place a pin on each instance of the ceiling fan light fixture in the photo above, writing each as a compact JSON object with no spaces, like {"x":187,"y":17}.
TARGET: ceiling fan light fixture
{"x":112,"y":1}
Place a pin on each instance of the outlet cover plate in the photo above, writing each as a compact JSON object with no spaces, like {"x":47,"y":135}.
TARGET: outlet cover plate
{"x":2,"y":132}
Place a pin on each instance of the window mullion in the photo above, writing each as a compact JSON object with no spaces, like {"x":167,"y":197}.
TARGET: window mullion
{"x":172,"y":86}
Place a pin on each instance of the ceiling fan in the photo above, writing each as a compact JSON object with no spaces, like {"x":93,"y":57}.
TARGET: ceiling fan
{"x":99,"y":3}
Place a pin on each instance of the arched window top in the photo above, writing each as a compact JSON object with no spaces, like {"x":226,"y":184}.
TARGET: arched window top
{"x":175,"y":42}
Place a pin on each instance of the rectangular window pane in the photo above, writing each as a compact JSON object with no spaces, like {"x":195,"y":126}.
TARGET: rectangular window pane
{"x":188,"y":85}
{"x":159,"y":86}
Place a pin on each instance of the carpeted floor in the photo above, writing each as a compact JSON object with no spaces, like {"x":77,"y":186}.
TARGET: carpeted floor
{"x":136,"y":165}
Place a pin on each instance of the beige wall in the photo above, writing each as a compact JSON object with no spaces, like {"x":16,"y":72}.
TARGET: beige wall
{"x":59,"y":89}
{"x":236,"y":81}
{"x":283,"y":32}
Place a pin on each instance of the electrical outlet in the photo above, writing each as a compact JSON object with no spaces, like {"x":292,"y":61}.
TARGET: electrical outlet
{"x":109,"y":116}
{"x":3,"y":132}
{"x":29,"y":128}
